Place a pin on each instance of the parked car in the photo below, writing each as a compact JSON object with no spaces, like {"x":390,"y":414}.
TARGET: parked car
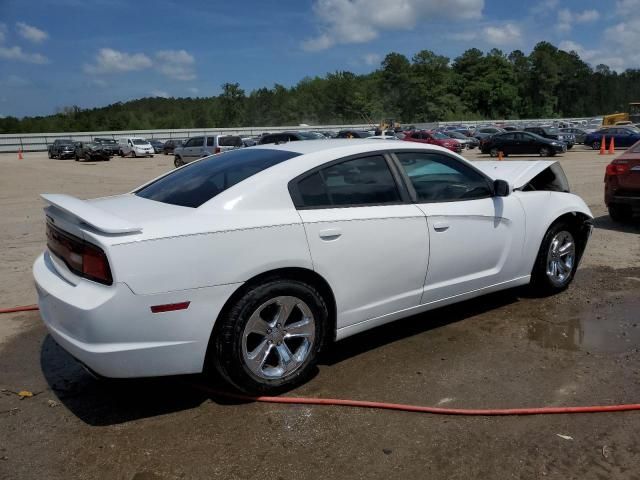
{"x":242,"y":263}
{"x":170,"y":145}
{"x":482,"y":132}
{"x":622,"y":185}
{"x":578,"y":133}
{"x":433,"y":138}
{"x":134,"y":147}
{"x":354,"y":134}
{"x":108,"y":144}
{"x":520,"y":143}
{"x":198,"y":147}
{"x":90,"y":151}
{"x":553,"y":134}
{"x":622,"y":137}
{"x":61,"y":148}
{"x":467,"y":142}
{"x":284,"y":137}
{"x":158,"y":146}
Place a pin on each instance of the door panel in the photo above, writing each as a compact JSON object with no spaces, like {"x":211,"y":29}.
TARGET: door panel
{"x":374,"y":258}
{"x":479,"y":247}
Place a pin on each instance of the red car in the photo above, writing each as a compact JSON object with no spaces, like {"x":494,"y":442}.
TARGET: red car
{"x":433,"y":138}
{"x":622,"y":185}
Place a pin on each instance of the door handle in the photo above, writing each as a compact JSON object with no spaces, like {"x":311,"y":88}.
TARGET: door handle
{"x":330,"y":234}
{"x":440,"y":226}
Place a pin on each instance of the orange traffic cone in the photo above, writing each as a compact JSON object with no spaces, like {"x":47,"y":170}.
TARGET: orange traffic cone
{"x":603,"y":146}
{"x":612,"y":147}
{"x":20,"y":157}
{"x":500,"y":155}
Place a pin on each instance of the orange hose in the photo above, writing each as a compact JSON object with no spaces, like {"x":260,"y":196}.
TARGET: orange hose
{"x":421,"y":409}
{"x":397,"y":406}
{"x":26,"y":308}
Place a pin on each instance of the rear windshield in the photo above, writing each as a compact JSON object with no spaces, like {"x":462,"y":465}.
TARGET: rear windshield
{"x":230,"y":141}
{"x":200,"y":181}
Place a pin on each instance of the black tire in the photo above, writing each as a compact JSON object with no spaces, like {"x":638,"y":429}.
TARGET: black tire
{"x":133,"y":154}
{"x":493,"y":152}
{"x":545,"y":152}
{"x":77,"y":158}
{"x":49,"y":153}
{"x":178,"y":162}
{"x":541,"y":282}
{"x":620,"y":213}
{"x":569,"y":146}
{"x":595,"y":145}
{"x":87,"y":157}
{"x":227,"y":340}
{"x":121,"y":153}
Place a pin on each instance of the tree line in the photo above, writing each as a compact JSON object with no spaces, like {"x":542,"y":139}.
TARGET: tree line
{"x":548,"y":82}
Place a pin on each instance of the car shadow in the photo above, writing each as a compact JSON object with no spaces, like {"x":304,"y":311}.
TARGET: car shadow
{"x":423,"y":322}
{"x":604,"y":222}
{"x":103,"y":402}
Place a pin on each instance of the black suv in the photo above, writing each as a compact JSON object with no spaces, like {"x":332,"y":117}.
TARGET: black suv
{"x":553,"y":134}
{"x":108,"y":144}
{"x":61,"y":148}
{"x":284,"y":137}
{"x":91,"y":151}
{"x":170,"y":145}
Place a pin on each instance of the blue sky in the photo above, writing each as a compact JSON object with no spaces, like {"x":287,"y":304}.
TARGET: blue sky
{"x":95,"y":52}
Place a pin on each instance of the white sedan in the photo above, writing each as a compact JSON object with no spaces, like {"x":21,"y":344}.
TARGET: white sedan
{"x":249,"y":262}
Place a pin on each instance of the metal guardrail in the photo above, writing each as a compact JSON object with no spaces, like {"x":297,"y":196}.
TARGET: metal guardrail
{"x":35,"y":142}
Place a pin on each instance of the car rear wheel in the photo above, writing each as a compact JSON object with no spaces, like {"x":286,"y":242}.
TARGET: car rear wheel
{"x":178,"y":162}
{"x":595,"y":145}
{"x":268,"y":341}
{"x":493,"y":152}
{"x":620,"y":213}
{"x":49,"y":154}
{"x":557,"y":260}
{"x":545,"y":152}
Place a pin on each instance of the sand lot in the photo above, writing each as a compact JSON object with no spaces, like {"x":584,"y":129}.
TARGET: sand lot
{"x":506,"y":350}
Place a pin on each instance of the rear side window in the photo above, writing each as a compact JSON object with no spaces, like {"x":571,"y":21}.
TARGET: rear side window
{"x":357,"y":182}
{"x":439,"y":178}
{"x":200,"y":181}
{"x":210,"y":141}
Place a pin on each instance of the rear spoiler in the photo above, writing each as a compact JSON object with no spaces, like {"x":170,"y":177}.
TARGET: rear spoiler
{"x":87,"y":213}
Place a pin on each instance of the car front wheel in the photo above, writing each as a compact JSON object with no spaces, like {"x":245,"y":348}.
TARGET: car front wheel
{"x":178,"y":162}
{"x":595,"y":145}
{"x":268,"y":341}
{"x":557,"y":260}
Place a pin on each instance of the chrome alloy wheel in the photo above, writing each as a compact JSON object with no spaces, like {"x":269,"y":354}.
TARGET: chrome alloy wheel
{"x":278,"y":337}
{"x":561,"y":258}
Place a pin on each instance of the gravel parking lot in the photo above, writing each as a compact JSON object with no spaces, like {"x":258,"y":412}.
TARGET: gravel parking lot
{"x":504,"y":350}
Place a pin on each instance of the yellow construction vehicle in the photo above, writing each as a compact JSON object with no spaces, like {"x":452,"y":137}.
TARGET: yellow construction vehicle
{"x":623,"y":118}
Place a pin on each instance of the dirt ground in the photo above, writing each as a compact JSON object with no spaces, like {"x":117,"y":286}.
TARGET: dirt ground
{"x":504,"y":350}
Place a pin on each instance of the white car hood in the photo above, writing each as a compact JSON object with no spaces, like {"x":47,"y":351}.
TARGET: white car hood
{"x":517,"y":173}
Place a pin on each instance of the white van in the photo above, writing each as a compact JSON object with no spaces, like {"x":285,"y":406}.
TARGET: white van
{"x":134,"y":147}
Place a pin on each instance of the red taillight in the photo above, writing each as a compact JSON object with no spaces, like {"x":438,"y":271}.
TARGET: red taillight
{"x":95,"y":265}
{"x":614,"y":169}
{"x":217,"y":149}
{"x":82,"y":258}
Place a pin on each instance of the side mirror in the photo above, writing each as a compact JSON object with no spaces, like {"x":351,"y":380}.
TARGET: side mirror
{"x":501,"y":188}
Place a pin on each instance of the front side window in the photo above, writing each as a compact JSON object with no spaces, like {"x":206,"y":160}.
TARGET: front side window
{"x":439,"y":178}
{"x":200,"y":181}
{"x":358,"y":182}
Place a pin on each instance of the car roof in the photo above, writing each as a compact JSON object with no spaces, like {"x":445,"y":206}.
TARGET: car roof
{"x":336,"y":144}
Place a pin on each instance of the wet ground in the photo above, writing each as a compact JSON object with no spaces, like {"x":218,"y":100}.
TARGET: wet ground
{"x":504,"y":350}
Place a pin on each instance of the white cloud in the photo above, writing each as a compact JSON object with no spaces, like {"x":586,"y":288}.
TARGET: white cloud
{"x":505,"y":35}
{"x":627,"y":7}
{"x":593,"y":56}
{"x":176,"y":64}
{"x":31,"y":33}
{"x":566,"y":18}
{"x":372,"y":59}
{"x":193,"y":90}
{"x":360,"y":21}
{"x":16,"y":53}
{"x":109,"y":60}
{"x":159,"y":93}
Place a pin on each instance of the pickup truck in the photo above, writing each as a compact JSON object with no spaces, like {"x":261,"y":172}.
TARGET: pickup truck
{"x":62,"y":148}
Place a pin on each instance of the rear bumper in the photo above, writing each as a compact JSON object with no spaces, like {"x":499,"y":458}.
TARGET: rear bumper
{"x":633,"y":202}
{"x":113,"y":331}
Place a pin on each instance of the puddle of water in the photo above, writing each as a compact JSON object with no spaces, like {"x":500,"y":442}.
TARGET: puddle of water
{"x":611,"y":328}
